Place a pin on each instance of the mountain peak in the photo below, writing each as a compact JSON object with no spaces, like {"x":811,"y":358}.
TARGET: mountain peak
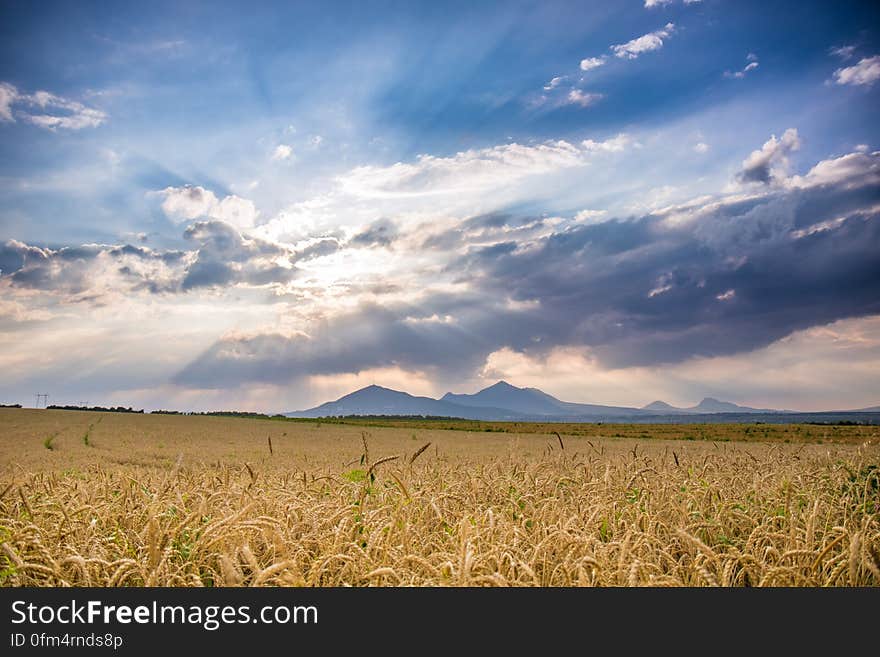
{"x":658,"y":405}
{"x":502,"y":385}
{"x":712,"y":405}
{"x":372,"y":388}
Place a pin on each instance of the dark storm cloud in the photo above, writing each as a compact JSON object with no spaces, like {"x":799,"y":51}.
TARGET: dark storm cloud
{"x":322,"y":247}
{"x":491,"y":220}
{"x":763,"y":165}
{"x":482,"y":228}
{"x":705,"y":279}
{"x":222,"y":257}
{"x":75,"y":269}
{"x":372,"y":336}
{"x":225,"y":256}
{"x":380,"y":233}
{"x":14,"y":255}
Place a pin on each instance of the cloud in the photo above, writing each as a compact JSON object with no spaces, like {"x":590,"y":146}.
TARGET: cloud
{"x":89,"y":272}
{"x":14,"y":255}
{"x":46,"y":110}
{"x":645,"y":43}
{"x":770,"y":163}
{"x":487,"y":228}
{"x":844,"y":52}
{"x":190,"y":202}
{"x":578,"y":97}
{"x":859,"y":169}
{"x":752,"y":64}
{"x":616,"y":144}
{"x":380,"y":233}
{"x":866,"y":72}
{"x":715,"y":276}
{"x":650,"y":4}
{"x":781,"y":375}
{"x":15,"y":311}
{"x":590,"y":216}
{"x":283,"y":152}
{"x":8,"y":95}
{"x":235,"y":210}
{"x":96,"y":273}
{"x":555,"y":82}
{"x":434,"y":190}
{"x":357,"y":341}
{"x":226,"y":257}
{"x":701,"y":147}
{"x":707,"y":279}
{"x":590,"y":63}
{"x":466,"y":170}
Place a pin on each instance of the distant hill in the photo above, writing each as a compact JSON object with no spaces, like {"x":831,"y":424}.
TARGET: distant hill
{"x":870,"y":409}
{"x":707,"y":405}
{"x":376,"y":400}
{"x":662,"y":408}
{"x":505,"y":402}
{"x":533,"y":402}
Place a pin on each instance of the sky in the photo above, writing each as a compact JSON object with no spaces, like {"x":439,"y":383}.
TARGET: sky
{"x":263,"y":206}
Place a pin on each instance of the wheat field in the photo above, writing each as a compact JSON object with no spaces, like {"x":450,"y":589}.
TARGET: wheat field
{"x":108,"y":499}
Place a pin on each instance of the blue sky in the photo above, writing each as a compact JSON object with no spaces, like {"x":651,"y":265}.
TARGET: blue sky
{"x":260,"y":205}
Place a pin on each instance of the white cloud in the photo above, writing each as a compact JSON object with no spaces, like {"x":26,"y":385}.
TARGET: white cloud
{"x":645,"y":43}
{"x":555,"y":82}
{"x":590,"y":63}
{"x":282,"y":152}
{"x":18,"y":312}
{"x":616,"y":144}
{"x":432,"y":189}
{"x":650,"y":4}
{"x":8,"y":95}
{"x":477,"y":170}
{"x":239,"y":212}
{"x":578,"y":97}
{"x":192,"y":202}
{"x":844,"y":52}
{"x":854,"y":169}
{"x":316,"y":140}
{"x":752,"y":64}
{"x":590,"y":216}
{"x":866,"y":72}
{"x":46,"y":110}
{"x":471,"y":169}
{"x":701,"y":147}
{"x":185,"y":203}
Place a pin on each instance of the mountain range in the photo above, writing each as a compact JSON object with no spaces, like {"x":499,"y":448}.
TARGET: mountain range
{"x":505,"y":402}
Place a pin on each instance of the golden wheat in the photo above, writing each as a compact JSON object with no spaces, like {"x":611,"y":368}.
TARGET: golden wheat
{"x":199,"y":502}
